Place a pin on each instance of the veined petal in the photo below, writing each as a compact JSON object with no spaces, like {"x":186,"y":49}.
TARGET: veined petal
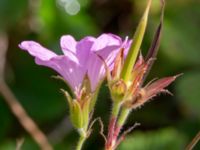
{"x":68,"y":44}
{"x":105,"y":41}
{"x":68,"y":69}
{"x":78,"y":51}
{"x":107,"y":46}
{"x":95,"y":70}
{"x":83,"y":50}
{"x":36,"y":50}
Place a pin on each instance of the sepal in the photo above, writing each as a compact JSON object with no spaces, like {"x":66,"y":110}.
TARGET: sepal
{"x":79,"y":109}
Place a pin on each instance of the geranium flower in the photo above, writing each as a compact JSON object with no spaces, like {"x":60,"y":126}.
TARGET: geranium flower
{"x":80,"y":58}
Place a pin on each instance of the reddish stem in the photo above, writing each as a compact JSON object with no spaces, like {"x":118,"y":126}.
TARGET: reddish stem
{"x":111,"y":129}
{"x":116,"y":132}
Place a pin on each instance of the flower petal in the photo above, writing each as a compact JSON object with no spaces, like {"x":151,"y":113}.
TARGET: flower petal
{"x":107,"y":46}
{"x":68,"y":44}
{"x":36,"y":50}
{"x":68,"y":69}
{"x":83,"y":50}
{"x":106,"y":40}
{"x":95,"y":70}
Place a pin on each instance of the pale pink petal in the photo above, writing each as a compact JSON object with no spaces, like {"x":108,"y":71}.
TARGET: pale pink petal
{"x":83,"y":50}
{"x":95,"y":70}
{"x":106,"y":40}
{"x":68,"y":44}
{"x":36,"y":50}
{"x":107,"y":46}
{"x":68,"y":69}
{"x":108,"y":53}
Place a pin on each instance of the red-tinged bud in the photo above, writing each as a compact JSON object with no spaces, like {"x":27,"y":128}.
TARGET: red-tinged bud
{"x":153,"y":50}
{"x":138,"y":75}
{"x":152,"y":89}
{"x":137,"y":68}
{"x":139,"y":62}
{"x":149,"y":91}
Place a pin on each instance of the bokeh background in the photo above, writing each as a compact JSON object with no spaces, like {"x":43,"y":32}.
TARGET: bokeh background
{"x":167,"y":122}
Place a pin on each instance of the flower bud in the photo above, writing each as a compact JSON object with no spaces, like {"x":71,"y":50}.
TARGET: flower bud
{"x":76,"y":115}
{"x":79,"y":110}
{"x":118,"y":90}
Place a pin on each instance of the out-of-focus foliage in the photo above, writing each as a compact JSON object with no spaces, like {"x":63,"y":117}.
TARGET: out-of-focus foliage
{"x":10,"y":12}
{"x":188,"y":91}
{"x":161,"y":139}
{"x":169,"y":122}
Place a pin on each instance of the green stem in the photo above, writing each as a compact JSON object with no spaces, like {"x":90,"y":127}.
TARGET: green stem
{"x":115,"y":109}
{"x":123,"y":116}
{"x":80,"y":142}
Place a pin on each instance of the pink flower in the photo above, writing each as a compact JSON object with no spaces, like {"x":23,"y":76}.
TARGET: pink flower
{"x":80,"y":58}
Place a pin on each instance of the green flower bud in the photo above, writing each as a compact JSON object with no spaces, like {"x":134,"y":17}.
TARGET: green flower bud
{"x":86,"y":112}
{"x":76,"y":115}
{"x":79,"y":110}
{"x":118,"y":90}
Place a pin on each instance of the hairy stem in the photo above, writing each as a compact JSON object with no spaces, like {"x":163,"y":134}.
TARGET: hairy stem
{"x":115,"y":109}
{"x":123,"y":116}
{"x":111,"y":127}
{"x":120,"y":122}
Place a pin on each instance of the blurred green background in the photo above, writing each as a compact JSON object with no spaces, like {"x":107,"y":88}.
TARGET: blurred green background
{"x":167,"y":123}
